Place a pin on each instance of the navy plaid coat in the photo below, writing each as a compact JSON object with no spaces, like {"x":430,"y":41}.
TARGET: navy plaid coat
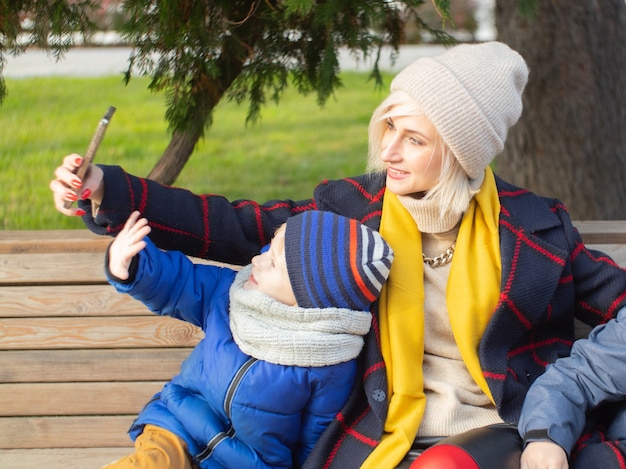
{"x":548,"y":279}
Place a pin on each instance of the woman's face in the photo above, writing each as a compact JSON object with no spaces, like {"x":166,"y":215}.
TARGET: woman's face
{"x":411,"y":155}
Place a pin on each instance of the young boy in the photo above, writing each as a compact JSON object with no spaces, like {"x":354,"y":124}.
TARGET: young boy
{"x":281,"y":337}
{"x":557,"y":406}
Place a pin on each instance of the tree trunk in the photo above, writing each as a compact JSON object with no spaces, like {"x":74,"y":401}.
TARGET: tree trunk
{"x":174,"y":157}
{"x":208,"y":93}
{"x":571,"y":140}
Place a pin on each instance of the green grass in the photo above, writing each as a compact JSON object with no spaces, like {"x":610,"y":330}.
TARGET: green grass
{"x":293,"y":146}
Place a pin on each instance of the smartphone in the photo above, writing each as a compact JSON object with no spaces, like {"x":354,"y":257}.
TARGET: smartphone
{"x":92,"y":149}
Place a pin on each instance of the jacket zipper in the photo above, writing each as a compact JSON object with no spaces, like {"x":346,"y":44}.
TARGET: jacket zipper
{"x":234,"y":385}
{"x":230,"y":393}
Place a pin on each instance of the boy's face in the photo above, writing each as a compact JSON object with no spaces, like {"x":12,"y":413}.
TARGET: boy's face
{"x":269,"y":272}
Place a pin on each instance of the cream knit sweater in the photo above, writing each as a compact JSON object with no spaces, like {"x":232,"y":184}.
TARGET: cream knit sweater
{"x":454,"y":402}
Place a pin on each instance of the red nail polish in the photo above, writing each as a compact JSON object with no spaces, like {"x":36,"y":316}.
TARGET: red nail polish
{"x":78,"y":161}
{"x":80,"y":212}
{"x":71,"y":196}
{"x":86,"y":193}
{"x":76,"y":183}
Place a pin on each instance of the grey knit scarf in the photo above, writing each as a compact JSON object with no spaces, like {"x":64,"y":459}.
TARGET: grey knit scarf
{"x":289,"y":335}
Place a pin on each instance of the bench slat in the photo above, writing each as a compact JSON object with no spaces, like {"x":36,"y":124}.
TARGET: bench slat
{"x":602,"y":231}
{"x":616,"y":251}
{"x":12,"y":241}
{"x":41,"y":399}
{"x":49,"y":366}
{"x":99,"y":431}
{"x":51,"y":269}
{"x":46,"y":241}
{"x":98,"y":332}
{"x":60,"y":458}
{"x":80,"y":268}
{"x":62,"y":300}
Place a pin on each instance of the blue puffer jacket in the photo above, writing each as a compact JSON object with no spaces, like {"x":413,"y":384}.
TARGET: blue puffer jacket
{"x":233,"y":411}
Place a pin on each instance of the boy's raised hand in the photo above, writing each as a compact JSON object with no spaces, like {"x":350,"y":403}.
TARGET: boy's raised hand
{"x":127,"y":244}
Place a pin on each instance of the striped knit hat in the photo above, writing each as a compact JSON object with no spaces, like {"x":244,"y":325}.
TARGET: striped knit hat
{"x":334,"y":261}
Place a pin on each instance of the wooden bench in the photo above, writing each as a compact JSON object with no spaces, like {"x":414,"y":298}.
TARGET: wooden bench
{"x":78,"y":360}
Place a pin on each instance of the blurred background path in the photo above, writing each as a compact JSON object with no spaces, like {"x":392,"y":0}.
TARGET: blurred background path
{"x":99,"y":61}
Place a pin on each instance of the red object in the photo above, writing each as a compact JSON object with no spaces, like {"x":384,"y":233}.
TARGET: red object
{"x":444,"y":457}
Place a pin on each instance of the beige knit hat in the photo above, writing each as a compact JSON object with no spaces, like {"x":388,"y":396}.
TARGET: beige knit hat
{"x":472,"y":94}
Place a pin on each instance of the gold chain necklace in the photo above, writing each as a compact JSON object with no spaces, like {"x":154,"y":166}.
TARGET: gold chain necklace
{"x":441,"y":259}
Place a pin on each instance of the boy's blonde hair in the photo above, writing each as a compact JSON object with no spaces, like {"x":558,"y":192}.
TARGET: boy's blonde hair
{"x":453,"y":190}
{"x":279,"y":243}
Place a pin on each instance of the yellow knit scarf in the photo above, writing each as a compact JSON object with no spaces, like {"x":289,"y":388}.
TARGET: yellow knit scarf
{"x":471,"y":297}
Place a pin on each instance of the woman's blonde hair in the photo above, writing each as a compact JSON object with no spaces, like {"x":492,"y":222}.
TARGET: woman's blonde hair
{"x":452,"y":191}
